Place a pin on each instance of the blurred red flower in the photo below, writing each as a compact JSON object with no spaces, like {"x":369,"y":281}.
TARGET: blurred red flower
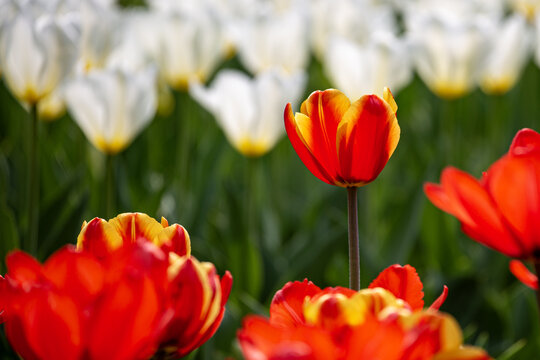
{"x":343,"y":143}
{"x":129,"y":290}
{"x":500,"y":210}
{"x":310,"y":323}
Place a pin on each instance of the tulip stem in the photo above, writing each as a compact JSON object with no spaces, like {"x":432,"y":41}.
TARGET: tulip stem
{"x":354,"y":242}
{"x":33,"y":183}
{"x":109,"y":186}
{"x":537,"y":269}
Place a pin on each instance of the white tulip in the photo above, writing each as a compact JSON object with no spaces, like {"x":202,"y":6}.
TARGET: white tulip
{"x":191,"y":46}
{"x":359,"y":69}
{"x":112,"y":106}
{"x":448,"y":52}
{"x":509,"y":49}
{"x":35,"y":55}
{"x":355,"y":20}
{"x":250,"y":110}
{"x":274,"y":40}
{"x":528,"y":8}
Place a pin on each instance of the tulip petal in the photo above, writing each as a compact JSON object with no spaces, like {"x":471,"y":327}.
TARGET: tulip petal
{"x":525,"y":141}
{"x":98,"y":237}
{"x":286,"y":308}
{"x":132,"y":226}
{"x":523,"y":274}
{"x":366,"y":138}
{"x":299,"y":145}
{"x":440,"y":300}
{"x":520,"y":207}
{"x":174,"y":238}
{"x":403,"y":282}
{"x":468,"y":200}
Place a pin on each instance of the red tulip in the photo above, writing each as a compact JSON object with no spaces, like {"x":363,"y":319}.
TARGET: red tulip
{"x":343,"y":143}
{"x":500,"y":210}
{"x":129,"y":290}
{"x":307,"y":322}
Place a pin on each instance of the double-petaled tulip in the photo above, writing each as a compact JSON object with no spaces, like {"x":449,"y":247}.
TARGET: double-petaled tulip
{"x":129,"y":290}
{"x":385,"y":321}
{"x":501,"y":209}
{"x":36,"y":53}
{"x":112,"y":106}
{"x":343,"y":143}
{"x":248,"y":109}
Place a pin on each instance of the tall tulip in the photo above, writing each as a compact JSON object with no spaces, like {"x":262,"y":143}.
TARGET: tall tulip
{"x":500,"y":210}
{"x":36,"y":53}
{"x":345,"y":144}
{"x":386,"y":321}
{"x":111,"y":107}
{"x":249,"y":109}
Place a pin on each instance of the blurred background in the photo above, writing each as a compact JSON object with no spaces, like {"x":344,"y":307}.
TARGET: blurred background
{"x":175,"y":109}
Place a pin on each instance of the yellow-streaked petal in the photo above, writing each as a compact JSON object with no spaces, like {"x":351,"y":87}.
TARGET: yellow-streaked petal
{"x":131,"y":226}
{"x":98,"y":237}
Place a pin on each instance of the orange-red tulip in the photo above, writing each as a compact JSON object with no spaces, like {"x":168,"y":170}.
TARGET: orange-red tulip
{"x":500,"y":210}
{"x":307,"y":322}
{"x":343,"y":143}
{"x":129,"y":290}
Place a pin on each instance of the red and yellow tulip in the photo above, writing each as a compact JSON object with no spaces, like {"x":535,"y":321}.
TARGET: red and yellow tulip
{"x":501,"y":209}
{"x":343,"y":143}
{"x":129,"y":290}
{"x":386,"y":321}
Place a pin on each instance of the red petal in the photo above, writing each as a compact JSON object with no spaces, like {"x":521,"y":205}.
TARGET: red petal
{"x":440,"y":300}
{"x":376,"y":340}
{"x":297,"y":141}
{"x":23,"y":268}
{"x":525,"y":141}
{"x":514,"y":184}
{"x":523,"y":274}
{"x":78,"y":274}
{"x":403,"y":282}
{"x":366,"y":138}
{"x":286,"y":309}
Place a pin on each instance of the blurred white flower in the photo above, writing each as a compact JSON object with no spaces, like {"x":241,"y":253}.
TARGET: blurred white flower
{"x":528,"y":8}
{"x":191,"y":45}
{"x":52,"y":106}
{"x":101,"y":28}
{"x":112,"y":106}
{"x":250,"y":110}
{"x":355,"y":20}
{"x":367,"y":68}
{"x":448,"y":53}
{"x":35,"y":55}
{"x":274,"y":40}
{"x":509,"y":49}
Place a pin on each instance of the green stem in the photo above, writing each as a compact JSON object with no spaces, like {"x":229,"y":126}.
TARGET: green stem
{"x":354,"y":242}
{"x":109,"y":186}
{"x":33,"y":183}
{"x":537,"y":269}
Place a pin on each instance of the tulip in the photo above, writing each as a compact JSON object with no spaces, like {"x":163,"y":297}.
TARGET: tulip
{"x":359,"y":69}
{"x":356,"y":21}
{"x":274,"y":41}
{"x":345,"y":144}
{"x":191,"y":47}
{"x":447,"y":52}
{"x":35,"y":55}
{"x":528,"y":8}
{"x":249,"y":110}
{"x":510,"y":45}
{"x":307,"y":322}
{"x":112,"y":107}
{"x":500,"y":210}
{"x":128,"y":291}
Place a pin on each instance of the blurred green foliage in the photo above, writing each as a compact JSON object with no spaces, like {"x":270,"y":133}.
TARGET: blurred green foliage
{"x":269,"y":221}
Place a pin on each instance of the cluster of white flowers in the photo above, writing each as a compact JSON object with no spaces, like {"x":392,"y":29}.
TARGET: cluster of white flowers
{"x":113,"y":67}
